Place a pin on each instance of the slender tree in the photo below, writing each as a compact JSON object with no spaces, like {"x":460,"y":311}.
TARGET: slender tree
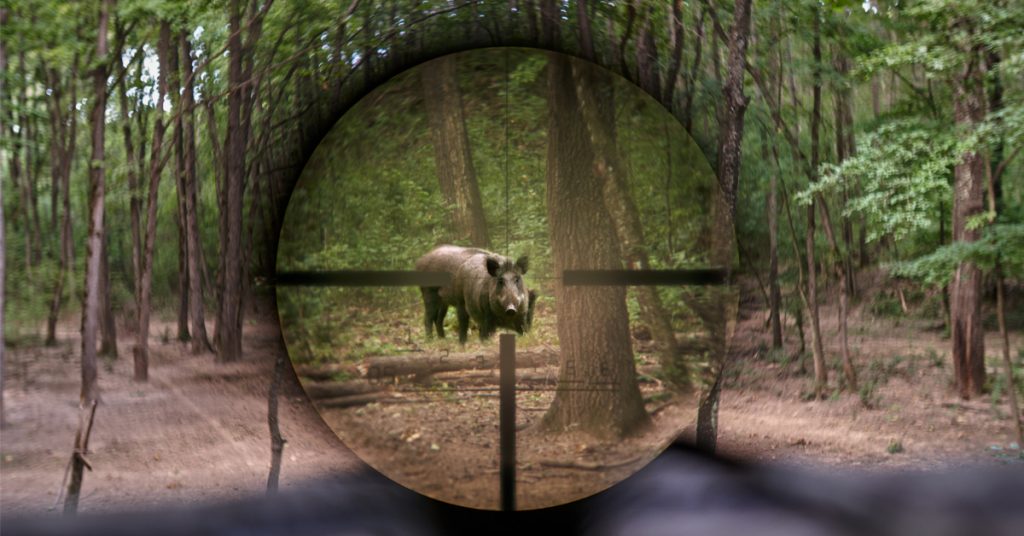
{"x":200,"y":340}
{"x":156,"y":165}
{"x":94,"y":243}
{"x":723,"y":240}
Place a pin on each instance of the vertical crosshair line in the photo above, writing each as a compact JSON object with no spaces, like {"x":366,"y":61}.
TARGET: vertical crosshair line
{"x":508,"y":251}
{"x":668,"y":184}
{"x":507,"y":421}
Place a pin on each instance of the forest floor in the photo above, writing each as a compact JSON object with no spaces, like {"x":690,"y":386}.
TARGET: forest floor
{"x":906,"y":413}
{"x":197,"y":432}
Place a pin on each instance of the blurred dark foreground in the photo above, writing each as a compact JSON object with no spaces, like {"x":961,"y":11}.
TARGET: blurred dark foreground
{"x":681,"y":492}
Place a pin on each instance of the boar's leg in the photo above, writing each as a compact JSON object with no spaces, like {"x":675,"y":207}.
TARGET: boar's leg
{"x":463,"y":317}
{"x":486,"y":328}
{"x":442,"y":311}
{"x":431,"y":301}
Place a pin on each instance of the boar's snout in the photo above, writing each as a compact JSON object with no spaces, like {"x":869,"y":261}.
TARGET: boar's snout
{"x":511,"y":311}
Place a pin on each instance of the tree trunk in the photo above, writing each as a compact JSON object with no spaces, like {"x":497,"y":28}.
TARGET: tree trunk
{"x":229,"y":324}
{"x":276,"y":440}
{"x":723,"y":243}
{"x":200,"y":340}
{"x":586,"y":35}
{"x":677,"y":40}
{"x":774,"y":292}
{"x":691,"y":78}
{"x":94,"y":244}
{"x":820,"y":369}
{"x":454,"y":160}
{"x":108,"y":326}
{"x":968,"y":334}
{"x":647,"y":60}
{"x":174,"y":90}
{"x":593,"y":325}
{"x":144,"y":307}
{"x":62,"y":149}
{"x":3,"y":242}
{"x":595,"y":94}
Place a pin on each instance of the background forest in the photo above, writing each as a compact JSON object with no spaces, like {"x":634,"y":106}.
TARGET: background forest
{"x":868,"y":152}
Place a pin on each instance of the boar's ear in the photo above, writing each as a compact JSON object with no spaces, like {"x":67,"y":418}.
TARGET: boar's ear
{"x":492,"y":266}
{"x":523,"y":263}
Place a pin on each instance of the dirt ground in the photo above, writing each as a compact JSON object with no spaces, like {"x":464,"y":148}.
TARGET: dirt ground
{"x":197,"y":432}
{"x":912,"y":409}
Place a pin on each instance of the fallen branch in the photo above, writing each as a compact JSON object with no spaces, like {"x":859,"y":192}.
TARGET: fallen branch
{"x":320,"y":390}
{"x":423,"y":364}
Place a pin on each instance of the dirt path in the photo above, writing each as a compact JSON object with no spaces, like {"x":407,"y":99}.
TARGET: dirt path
{"x":904,"y":368}
{"x":195,"y":433}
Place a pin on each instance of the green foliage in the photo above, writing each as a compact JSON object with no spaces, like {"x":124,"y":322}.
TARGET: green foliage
{"x":902,"y":171}
{"x":1003,"y":242}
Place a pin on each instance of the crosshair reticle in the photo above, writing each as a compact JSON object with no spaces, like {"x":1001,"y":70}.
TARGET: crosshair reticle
{"x":500,"y":280}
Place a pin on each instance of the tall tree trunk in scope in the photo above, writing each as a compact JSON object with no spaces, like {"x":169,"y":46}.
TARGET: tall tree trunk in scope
{"x":595,"y":93}
{"x":455,"y":171}
{"x":593,"y":325}
{"x":156,"y":161}
{"x":723,"y":239}
{"x":968,"y":333}
{"x":200,"y":340}
{"x":94,"y":244}
{"x":820,"y":369}
{"x":174,"y":90}
{"x":229,"y":325}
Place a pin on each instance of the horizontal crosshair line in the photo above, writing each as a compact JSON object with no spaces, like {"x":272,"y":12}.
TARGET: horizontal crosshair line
{"x":699,"y":276}
{"x":361,"y":278}
{"x":401,"y":278}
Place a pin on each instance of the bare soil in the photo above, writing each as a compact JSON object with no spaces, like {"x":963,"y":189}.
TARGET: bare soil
{"x":905,"y":415}
{"x":197,"y":432}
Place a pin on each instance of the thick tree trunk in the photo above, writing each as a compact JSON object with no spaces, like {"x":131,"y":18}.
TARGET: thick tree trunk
{"x":94,"y":244}
{"x":595,"y":94}
{"x":200,"y":340}
{"x":723,"y":240}
{"x":229,"y":323}
{"x":968,"y":334}
{"x":454,"y":160}
{"x":593,"y":326}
